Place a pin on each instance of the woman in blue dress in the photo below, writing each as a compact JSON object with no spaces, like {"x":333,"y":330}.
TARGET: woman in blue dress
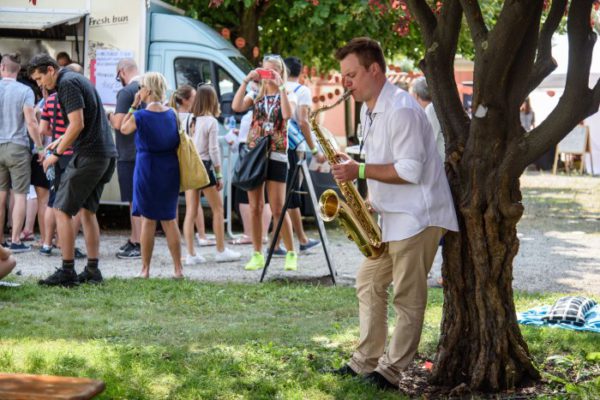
{"x":156,"y":173}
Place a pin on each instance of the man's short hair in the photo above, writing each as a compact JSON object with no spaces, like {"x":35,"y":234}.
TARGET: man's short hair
{"x":12,"y":61}
{"x":40,"y":63}
{"x":366,"y":49}
{"x":64,"y":54}
{"x":419,"y":87}
{"x":75,"y":68}
{"x":126,"y":64}
{"x":294,"y":66}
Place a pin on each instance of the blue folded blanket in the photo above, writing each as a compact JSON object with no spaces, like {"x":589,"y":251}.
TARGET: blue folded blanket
{"x":535,"y":315}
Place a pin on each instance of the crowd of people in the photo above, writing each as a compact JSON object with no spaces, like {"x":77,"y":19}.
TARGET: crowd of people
{"x":75,"y":155}
{"x":402,"y":166}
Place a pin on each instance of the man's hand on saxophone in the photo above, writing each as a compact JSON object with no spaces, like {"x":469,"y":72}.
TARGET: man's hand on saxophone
{"x":346,"y":170}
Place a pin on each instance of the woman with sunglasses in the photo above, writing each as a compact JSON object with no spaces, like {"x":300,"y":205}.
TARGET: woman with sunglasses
{"x":271,"y":110}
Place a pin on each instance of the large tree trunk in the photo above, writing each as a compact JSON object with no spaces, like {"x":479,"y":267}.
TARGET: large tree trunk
{"x":481,"y":344}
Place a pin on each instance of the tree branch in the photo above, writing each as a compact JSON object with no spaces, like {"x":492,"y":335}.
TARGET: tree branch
{"x":504,"y":50}
{"x":545,"y":63}
{"x":578,"y":100}
{"x":475,"y":21}
{"x":424,"y":17}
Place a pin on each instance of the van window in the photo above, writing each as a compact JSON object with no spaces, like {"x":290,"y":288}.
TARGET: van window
{"x":192,"y":71}
{"x":226,"y":83}
{"x":242,"y":64}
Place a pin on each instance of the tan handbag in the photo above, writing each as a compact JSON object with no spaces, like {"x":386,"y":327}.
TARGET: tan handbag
{"x":192,"y":174}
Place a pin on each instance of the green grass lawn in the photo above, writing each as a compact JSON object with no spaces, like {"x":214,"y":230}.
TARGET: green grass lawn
{"x":164,"y":339}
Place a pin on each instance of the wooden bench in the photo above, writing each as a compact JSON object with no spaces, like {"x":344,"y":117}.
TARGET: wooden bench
{"x":38,"y":387}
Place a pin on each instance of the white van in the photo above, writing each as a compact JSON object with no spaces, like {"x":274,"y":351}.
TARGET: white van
{"x":97,"y":33}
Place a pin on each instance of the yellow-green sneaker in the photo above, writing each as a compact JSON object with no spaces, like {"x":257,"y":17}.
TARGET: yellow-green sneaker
{"x":256,"y":262}
{"x":291,"y":261}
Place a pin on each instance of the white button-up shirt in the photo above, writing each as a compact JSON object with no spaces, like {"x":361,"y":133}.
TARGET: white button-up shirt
{"x":398,"y":132}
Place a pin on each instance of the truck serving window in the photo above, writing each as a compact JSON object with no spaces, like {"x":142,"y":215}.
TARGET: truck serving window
{"x":192,"y":71}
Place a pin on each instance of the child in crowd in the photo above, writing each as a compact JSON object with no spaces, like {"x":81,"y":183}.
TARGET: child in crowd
{"x":205,"y":110}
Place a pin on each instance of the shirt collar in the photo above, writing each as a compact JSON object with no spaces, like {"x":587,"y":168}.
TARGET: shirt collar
{"x":386,"y":92}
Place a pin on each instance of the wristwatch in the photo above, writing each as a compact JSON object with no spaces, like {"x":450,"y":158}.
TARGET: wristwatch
{"x":55,"y":153}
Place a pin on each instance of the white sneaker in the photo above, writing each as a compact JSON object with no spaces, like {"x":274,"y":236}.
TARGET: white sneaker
{"x":193,"y":260}
{"x":205,"y":242}
{"x":227,"y":255}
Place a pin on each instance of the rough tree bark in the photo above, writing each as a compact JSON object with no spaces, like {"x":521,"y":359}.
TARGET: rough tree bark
{"x":481,"y":345}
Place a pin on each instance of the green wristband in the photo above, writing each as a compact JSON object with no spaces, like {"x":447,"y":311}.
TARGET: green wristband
{"x":132,"y":110}
{"x":314,"y":150}
{"x":219,"y":175}
{"x":361,"y":170}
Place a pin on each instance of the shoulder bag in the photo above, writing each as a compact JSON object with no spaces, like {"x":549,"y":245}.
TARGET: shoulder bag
{"x":251,"y":168}
{"x":192,"y":173}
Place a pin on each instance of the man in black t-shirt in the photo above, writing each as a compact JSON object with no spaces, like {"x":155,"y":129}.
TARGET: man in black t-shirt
{"x":128,"y":75}
{"x":91,"y":167}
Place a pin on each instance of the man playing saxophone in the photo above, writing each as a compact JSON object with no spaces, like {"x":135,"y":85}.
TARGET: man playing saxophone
{"x":409,"y":190}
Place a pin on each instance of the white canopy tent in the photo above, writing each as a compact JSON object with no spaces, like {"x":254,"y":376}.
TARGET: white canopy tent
{"x":546,"y":96}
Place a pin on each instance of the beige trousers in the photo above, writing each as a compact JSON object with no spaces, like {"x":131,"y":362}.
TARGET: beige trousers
{"x":406,"y":263}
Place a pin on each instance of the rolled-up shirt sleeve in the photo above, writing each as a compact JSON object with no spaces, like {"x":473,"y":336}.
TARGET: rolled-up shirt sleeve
{"x":407,"y":144}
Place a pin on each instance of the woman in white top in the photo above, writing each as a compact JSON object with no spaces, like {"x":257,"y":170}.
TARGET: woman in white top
{"x":206,"y":139}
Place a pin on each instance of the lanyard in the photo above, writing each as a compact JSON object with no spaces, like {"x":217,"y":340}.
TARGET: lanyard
{"x":269,"y":111}
{"x":370,"y":118}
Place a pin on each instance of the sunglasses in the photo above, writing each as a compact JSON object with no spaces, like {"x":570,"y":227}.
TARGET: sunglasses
{"x":272,"y":57}
{"x":203,"y":84}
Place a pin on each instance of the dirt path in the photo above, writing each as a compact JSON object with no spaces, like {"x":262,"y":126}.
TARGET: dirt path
{"x":560,"y":246}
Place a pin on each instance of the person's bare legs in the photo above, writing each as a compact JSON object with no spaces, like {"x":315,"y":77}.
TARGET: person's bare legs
{"x":296,"y":218}
{"x":3,"y":198}
{"x":136,"y":226}
{"x":174,"y":242}
{"x":18,"y":216}
{"x":91,"y":233}
{"x":191,"y":208}
{"x":218,"y":220}
{"x":267,"y":216}
{"x":246,"y":219}
{"x":147,"y":233}
{"x":31,"y":209}
{"x":199,"y":221}
{"x":66,"y":236}
{"x":42,"y":205}
{"x":276,"y":193}
{"x":49,"y":227}
{"x":256,"y":200}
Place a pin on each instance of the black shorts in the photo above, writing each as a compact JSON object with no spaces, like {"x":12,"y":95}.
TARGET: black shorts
{"x":82,"y":184}
{"x":38,"y":176}
{"x":125,"y":175}
{"x":277,"y":171}
{"x":212,"y":178}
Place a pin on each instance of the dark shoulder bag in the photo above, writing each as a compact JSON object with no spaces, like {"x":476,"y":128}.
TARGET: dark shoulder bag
{"x":251,"y":169}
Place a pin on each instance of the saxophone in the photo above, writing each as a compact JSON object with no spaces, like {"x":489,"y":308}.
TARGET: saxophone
{"x":353,"y":214}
